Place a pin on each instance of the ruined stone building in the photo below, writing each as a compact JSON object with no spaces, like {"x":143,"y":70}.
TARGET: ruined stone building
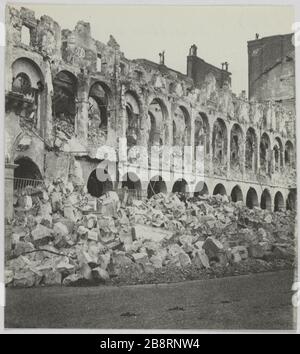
{"x":68,"y":94}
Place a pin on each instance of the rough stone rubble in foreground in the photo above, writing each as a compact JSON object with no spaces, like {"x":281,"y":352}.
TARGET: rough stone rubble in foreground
{"x":58,"y":240}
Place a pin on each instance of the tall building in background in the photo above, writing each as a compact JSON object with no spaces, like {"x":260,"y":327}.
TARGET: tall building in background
{"x":272,"y":70}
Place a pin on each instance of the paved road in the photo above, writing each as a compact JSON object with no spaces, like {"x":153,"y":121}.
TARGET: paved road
{"x":261,"y":301}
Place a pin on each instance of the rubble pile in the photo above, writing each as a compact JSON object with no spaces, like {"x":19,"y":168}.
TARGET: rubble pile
{"x":60,"y":236}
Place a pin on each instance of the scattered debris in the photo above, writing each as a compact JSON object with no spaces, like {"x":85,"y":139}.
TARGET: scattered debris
{"x":59,"y":238}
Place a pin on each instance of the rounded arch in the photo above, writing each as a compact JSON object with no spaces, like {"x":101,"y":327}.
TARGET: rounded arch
{"x":289,"y":154}
{"x":265,"y":200}
{"x":66,"y":79}
{"x":27,"y":173}
{"x":202,"y":132}
{"x":156,"y":185}
{"x":158,"y":114}
{"x":180,"y":186}
{"x":64,"y":101}
{"x":30,"y":68}
{"x":99,"y":182}
{"x":201,"y":189}
{"x":278,"y":154}
{"x":278,"y":202}
{"x":132,"y":182}
{"x":101,"y":89}
{"x":99,"y":101}
{"x":219,"y":189}
{"x":236,"y":194}
{"x":187,"y":126}
{"x":26,"y":168}
{"x":252,"y":198}
{"x":291,"y":201}
{"x":132,"y":101}
{"x":22,"y":84}
{"x":28,"y":80}
{"x":219,"y":141}
{"x":236,"y":147}
{"x":181,"y":126}
{"x":133,"y":118}
{"x":251,"y":150}
{"x":265,"y":153}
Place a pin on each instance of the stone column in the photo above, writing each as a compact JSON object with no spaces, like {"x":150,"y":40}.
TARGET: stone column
{"x":228,"y":151}
{"x":243,"y":158}
{"x":81,"y":124}
{"x":9,"y":210}
{"x":258,"y":153}
{"x":211,"y":153}
{"x":46,"y":97}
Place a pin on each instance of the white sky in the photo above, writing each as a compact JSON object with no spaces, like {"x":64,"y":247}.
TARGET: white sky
{"x":220,"y":32}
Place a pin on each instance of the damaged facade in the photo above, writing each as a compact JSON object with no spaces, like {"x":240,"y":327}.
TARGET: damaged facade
{"x":67,"y":94}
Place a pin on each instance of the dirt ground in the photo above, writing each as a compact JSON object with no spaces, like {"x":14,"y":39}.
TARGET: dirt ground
{"x":260,"y":301}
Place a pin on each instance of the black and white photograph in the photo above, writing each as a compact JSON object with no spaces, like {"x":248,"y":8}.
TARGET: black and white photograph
{"x":150,"y":166}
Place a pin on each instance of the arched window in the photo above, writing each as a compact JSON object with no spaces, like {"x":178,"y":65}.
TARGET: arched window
{"x":182,"y":134}
{"x":133,"y":118}
{"x":236,"y":194}
{"x":180,"y":186}
{"x":252,"y":198}
{"x":219,"y":189}
{"x":28,"y":80}
{"x":251,"y":150}
{"x":99,"y":97}
{"x":265,"y":154}
{"x":26,"y":174}
{"x":22,"y":84}
{"x":156,"y":185}
{"x":265,"y":202}
{"x":219,"y":145}
{"x":201,"y":189}
{"x":289,"y":154}
{"x":202,"y":132}
{"x":236,"y":147}
{"x":278,"y":202}
{"x":64,"y":102}
{"x":158,"y":115}
{"x":97,"y":185}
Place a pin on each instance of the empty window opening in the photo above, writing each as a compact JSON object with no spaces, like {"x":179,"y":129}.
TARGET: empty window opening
{"x":252,"y":198}
{"x":278,"y":202}
{"x":133,"y":184}
{"x":25,"y":35}
{"x":97,"y":185}
{"x":291,"y":200}
{"x":155,"y":186}
{"x":201,"y":189}
{"x":236,"y":194}
{"x":26,"y":174}
{"x":219,"y":189}
{"x":265,"y":202}
{"x":180,"y":186}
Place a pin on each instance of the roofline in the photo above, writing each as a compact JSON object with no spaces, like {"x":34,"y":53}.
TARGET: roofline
{"x":274,"y":36}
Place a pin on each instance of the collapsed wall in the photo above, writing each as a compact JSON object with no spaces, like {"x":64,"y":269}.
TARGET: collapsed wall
{"x":69,"y":94}
{"x":59,"y":239}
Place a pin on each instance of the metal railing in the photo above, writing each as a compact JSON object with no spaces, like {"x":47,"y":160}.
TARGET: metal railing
{"x":22,"y":183}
